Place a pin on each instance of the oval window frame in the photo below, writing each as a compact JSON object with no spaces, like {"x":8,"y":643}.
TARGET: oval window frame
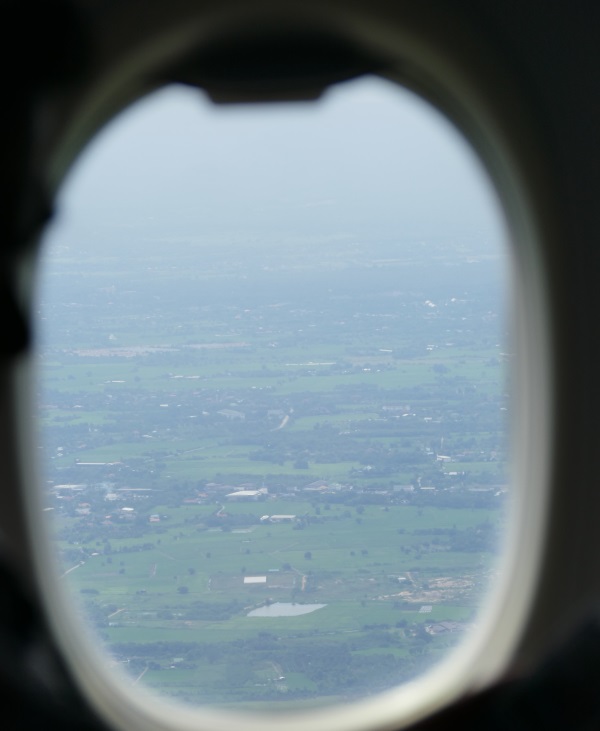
{"x":422,"y":59}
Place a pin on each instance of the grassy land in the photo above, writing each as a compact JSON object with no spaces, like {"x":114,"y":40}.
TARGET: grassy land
{"x":181,"y":585}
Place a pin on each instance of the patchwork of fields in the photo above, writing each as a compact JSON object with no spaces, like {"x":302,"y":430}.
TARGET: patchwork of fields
{"x":336,"y":438}
{"x":396,"y":591}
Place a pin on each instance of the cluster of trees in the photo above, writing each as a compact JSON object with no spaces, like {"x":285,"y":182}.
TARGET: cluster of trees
{"x":333,"y":666}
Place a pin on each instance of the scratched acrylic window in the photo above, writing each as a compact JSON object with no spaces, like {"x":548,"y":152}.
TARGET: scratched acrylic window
{"x":273,"y":394}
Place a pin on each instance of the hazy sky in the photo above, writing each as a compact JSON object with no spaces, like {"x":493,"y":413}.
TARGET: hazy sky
{"x":368,"y":157}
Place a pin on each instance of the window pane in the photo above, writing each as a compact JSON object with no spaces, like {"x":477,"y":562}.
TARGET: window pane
{"x":273,"y":394}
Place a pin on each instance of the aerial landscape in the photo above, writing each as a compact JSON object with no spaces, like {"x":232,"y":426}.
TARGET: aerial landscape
{"x":275,"y":464}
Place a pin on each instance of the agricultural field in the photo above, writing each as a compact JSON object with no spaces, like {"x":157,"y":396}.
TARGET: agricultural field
{"x":393,"y":586}
{"x":274,"y":478}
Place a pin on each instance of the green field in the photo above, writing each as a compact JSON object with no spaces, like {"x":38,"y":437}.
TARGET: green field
{"x":173,"y":605}
{"x":330,"y":388}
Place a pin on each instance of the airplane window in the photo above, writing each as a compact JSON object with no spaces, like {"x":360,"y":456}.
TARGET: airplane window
{"x":273,"y":396}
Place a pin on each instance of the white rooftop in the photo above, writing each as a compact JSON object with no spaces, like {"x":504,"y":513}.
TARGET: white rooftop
{"x":255,"y":579}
